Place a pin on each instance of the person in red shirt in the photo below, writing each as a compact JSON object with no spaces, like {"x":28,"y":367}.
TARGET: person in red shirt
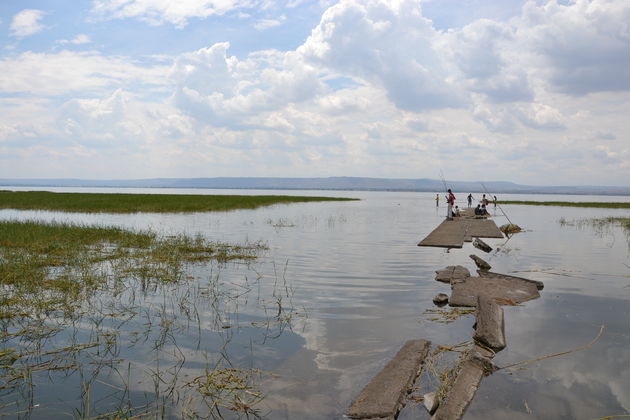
{"x":450,"y":199}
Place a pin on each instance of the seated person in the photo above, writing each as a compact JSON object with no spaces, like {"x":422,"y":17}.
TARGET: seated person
{"x":484,"y":212}
{"x":478,"y":210}
{"x":457,"y":213}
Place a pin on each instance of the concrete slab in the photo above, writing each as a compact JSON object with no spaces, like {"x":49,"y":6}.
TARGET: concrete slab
{"x":503,"y":289}
{"x":539,"y":284}
{"x":462,"y":392}
{"x":453,"y":233}
{"x":490,"y":327}
{"x":386,"y":393}
{"x":452,"y":274}
{"x":449,"y":234}
{"x":483,"y":228}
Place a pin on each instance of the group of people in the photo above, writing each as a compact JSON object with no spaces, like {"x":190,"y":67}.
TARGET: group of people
{"x":480,"y":210}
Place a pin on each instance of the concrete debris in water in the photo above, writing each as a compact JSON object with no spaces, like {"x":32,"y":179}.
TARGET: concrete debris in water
{"x":479,"y":244}
{"x":387,"y":392}
{"x":490,"y":329}
{"x":452,"y":274}
{"x":440,"y":299}
{"x":505,"y":290}
{"x":480,"y":263}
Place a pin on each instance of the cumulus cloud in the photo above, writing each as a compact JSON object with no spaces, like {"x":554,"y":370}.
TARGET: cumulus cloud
{"x":484,"y":54}
{"x":388,"y":43}
{"x":157,"y":12}
{"x":583,"y":46}
{"x":26,"y":22}
{"x":222,"y":90}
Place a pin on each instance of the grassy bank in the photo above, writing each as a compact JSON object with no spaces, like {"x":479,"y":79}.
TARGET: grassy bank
{"x":570,"y":204}
{"x":53,"y":267}
{"x":133,"y":203}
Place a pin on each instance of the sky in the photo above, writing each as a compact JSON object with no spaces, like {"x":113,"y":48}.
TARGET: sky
{"x":534,"y":92}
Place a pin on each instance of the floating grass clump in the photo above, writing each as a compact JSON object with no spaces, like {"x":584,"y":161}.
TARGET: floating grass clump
{"x":134,"y":203}
{"x":52,"y":266}
{"x":603,"y":205}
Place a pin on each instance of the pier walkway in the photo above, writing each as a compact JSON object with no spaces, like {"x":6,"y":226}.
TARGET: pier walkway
{"x":453,"y":233}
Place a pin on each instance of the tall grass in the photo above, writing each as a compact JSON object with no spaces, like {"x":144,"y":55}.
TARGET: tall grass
{"x":133,"y":203}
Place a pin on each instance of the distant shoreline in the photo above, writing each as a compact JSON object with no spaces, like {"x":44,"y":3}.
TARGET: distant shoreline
{"x":320,"y":184}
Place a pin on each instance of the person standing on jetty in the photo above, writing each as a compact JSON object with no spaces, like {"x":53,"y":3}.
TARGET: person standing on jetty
{"x":470,"y":199}
{"x":450,"y":199}
{"x":437,"y":200}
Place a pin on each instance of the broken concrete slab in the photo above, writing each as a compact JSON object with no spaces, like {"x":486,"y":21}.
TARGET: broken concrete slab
{"x":462,"y":392}
{"x":539,"y":284}
{"x":483,"y":265}
{"x":452,"y":273}
{"x":386,"y":393}
{"x":490,"y":330}
{"x":479,"y":244}
{"x":440,"y":299}
{"x":504,"y":290}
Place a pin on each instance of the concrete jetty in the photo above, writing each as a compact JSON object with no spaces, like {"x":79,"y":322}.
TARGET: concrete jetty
{"x":453,"y":233}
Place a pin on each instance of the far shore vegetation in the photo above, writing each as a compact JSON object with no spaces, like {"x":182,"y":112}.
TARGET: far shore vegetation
{"x":137,"y":203}
{"x":602,"y":205}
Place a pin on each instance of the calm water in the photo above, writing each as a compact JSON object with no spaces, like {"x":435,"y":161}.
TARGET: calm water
{"x":341,"y":288}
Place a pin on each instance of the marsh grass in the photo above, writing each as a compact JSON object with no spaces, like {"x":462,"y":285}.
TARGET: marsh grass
{"x":68,"y":290}
{"x":134,"y":203}
{"x":603,"y":205}
{"x":54,"y":266}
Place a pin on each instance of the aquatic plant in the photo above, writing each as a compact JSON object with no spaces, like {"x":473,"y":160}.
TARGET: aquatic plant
{"x":134,"y":203}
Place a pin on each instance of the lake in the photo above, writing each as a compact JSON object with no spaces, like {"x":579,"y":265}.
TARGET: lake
{"x":340,"y":289}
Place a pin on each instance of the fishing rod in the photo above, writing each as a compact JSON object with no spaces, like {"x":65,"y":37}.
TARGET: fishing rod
{"x":443,"y":181}
{"x":495,"y":201}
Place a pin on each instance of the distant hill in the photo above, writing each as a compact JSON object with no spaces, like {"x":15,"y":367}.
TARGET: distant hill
{"x":330,"y":183}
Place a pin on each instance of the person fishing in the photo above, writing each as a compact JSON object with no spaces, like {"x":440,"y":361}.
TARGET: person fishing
{"x":437,"y":200}
{"x":450,"y":200}
{"x":470,"y":200}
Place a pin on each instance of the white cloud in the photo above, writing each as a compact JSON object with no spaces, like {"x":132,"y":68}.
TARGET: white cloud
{"x":582,"y":47}
{"x":157,"y":12}
{"x":387,"y":43}
{"x":27,"y":23}
{"x":67,"y":71}
{"x":224,"y":90}
{"x":78,"y":40}
{"x":263,"y":24}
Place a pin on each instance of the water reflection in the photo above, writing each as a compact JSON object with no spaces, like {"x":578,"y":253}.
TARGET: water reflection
{"x":341,"y":288}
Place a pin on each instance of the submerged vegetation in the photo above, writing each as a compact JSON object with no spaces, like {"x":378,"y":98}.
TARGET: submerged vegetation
{"x":602,"y":205}
{"x":48,"y":266}
{"x":100,"y":310}
{"x":133,"y":203}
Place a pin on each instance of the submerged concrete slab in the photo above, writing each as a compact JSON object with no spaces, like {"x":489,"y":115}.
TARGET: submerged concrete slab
{"x":539,"y":284}
{"x":504,"y":290}
{"x":490,"y":327}
{"x":462,"y":392}
{"x":452,"y":274}
{"x":386,"y":393}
